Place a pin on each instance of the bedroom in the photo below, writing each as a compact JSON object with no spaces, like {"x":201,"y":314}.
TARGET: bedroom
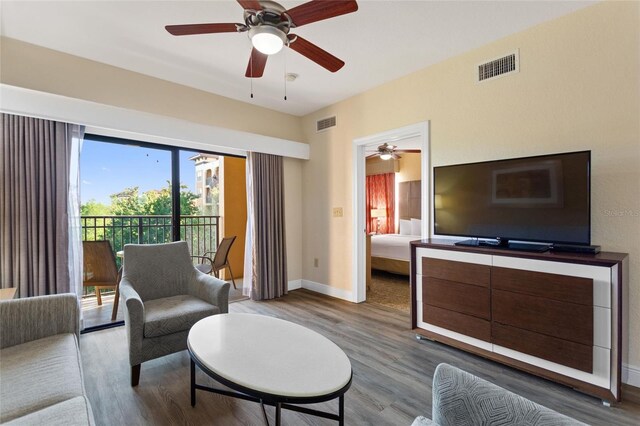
{"x":393,"y":210}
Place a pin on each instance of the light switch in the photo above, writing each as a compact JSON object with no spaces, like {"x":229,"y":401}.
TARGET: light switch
{"x":337,"y":212}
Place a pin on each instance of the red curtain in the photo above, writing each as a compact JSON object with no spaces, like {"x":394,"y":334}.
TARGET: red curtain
{"x":381,"y":195}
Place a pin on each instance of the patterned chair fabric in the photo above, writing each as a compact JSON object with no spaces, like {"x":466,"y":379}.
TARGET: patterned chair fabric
{"x":164,"y":295}
{"x":460,"y":398}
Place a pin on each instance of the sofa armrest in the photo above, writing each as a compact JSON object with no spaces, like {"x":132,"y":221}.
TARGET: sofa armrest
{"x":212,"y":290}
{"x":133,"y":320}
{"x":32,"y":318}
{"x":462,"y":398}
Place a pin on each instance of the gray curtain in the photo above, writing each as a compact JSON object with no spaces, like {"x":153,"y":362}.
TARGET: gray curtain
{"x":35,"y":158}
{"x":265,"y":274}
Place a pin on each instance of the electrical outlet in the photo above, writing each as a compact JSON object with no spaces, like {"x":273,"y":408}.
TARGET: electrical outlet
{"x":315,"y":262}
{"x":337,"y":212}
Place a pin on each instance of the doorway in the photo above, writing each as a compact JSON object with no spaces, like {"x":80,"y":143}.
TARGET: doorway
{"x":418,"y":136}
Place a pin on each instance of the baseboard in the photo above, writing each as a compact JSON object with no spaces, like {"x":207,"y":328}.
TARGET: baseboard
{"x":294,"y":285}
{"x":631,"y":375}
{"x":327,"y":290}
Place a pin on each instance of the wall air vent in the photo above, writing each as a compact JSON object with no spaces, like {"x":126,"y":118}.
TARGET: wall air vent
{"x":499,"y":67}
{"x":325,"y":124}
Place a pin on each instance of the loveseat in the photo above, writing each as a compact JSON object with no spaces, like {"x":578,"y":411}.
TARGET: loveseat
{"x":460,"y":398}
{"x":41,"y":379}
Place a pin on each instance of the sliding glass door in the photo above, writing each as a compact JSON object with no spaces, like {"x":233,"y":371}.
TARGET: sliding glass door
{"x":126,"y":197}
{"x":140,"y":193}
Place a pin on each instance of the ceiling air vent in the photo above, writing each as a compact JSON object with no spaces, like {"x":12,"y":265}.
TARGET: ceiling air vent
{"x":325,"y":124}
{"x":499,"y":67}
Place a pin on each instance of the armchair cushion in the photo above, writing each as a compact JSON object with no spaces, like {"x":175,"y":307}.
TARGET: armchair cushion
{"x":173,"y":314}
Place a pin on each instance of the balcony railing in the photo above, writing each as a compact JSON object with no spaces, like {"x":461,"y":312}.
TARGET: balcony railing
{"x":200,"y":232}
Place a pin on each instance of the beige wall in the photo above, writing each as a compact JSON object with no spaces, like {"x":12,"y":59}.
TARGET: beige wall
{"x":409,"y":167}
{"x":577,"y":89}
{"x":38,"y":68}
{"x":377,"y":166}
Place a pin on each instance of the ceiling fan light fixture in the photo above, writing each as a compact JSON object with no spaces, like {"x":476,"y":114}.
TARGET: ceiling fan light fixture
{"x":385,"y":156}
{"x":267,"y":39}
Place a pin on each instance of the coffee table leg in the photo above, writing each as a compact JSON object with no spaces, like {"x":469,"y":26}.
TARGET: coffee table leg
{"x":341,"y":410}
{"x":264,"y":413}
{"x":193,"y":383}
{"x":278,"y":413}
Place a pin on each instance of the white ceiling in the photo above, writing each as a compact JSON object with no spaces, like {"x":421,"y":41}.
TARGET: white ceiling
{"x":382,"y":41}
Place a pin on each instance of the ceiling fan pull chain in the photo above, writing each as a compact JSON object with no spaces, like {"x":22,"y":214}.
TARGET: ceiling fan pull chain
{"x":285,"y":73}
{"x":251,"y":79}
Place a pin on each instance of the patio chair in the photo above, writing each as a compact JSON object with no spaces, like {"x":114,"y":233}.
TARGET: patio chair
{"x":220,"y":259}
{"x":100,"y":270}
{"x":163,"y":296}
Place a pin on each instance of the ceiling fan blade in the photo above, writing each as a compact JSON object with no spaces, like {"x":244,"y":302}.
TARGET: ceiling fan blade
{"x":190,"y":29}
{"x":318,"y":10}
{"x":250,"y":4}
{"x":395,"y":156}
{"x":375,"y":154}
{"x":256,"y":65}
{"x":317,"y":55}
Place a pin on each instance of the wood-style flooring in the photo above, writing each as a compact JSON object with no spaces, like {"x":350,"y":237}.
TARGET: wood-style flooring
{"x":392,"y":373}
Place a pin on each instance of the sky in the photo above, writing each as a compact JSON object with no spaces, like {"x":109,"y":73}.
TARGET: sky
{"x":108,"y":168}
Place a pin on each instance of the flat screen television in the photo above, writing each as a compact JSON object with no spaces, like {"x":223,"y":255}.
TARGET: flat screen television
{"x":542,"y":199}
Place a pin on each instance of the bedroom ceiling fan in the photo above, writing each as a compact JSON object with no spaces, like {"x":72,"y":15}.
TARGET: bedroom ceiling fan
{"x":268,"y":25}
{"x":387,"y":151}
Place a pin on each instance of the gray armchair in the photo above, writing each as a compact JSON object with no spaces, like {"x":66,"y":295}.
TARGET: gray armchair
{"x":460,"y":398}
{"x":164,"y":295}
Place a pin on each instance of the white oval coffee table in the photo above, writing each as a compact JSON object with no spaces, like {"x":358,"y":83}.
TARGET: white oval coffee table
{"x":270,"y":361}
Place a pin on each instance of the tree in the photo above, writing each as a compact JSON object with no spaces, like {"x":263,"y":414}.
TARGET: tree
{"x":126,"y":203}
{"x":94,"y":228}
{"x":129,"y":202}
{"x":153,"y":202}
{"x":94,"y":208}
{"x":158,"y":202}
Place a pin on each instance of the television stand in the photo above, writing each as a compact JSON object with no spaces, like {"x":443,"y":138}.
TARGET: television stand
{"x":504,"y":245}
{"x":556,"y":315}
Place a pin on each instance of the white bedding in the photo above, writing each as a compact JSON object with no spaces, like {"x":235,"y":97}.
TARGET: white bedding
{"x":392,"y":246}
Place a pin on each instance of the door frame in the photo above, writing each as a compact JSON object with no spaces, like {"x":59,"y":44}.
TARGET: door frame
{"x":419,"y":130}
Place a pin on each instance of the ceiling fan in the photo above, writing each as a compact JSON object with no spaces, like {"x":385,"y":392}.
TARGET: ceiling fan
{"x":387,"y":151}
{"x":268,"y":25}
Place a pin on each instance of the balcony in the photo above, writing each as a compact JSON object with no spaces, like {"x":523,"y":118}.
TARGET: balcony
{"x":200,"y":232}
{"x":211,"y":181}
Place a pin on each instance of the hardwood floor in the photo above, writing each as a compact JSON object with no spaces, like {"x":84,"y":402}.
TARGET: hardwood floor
{"x":392,"y":374}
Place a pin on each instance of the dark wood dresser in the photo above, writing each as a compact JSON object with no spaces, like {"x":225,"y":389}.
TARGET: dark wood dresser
{"x":556,"y":315}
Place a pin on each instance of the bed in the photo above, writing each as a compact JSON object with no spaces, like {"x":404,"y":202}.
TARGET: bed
{"x":391,"y":252}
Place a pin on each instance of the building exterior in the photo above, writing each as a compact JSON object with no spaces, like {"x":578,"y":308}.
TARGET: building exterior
{"x":207,"y":177}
